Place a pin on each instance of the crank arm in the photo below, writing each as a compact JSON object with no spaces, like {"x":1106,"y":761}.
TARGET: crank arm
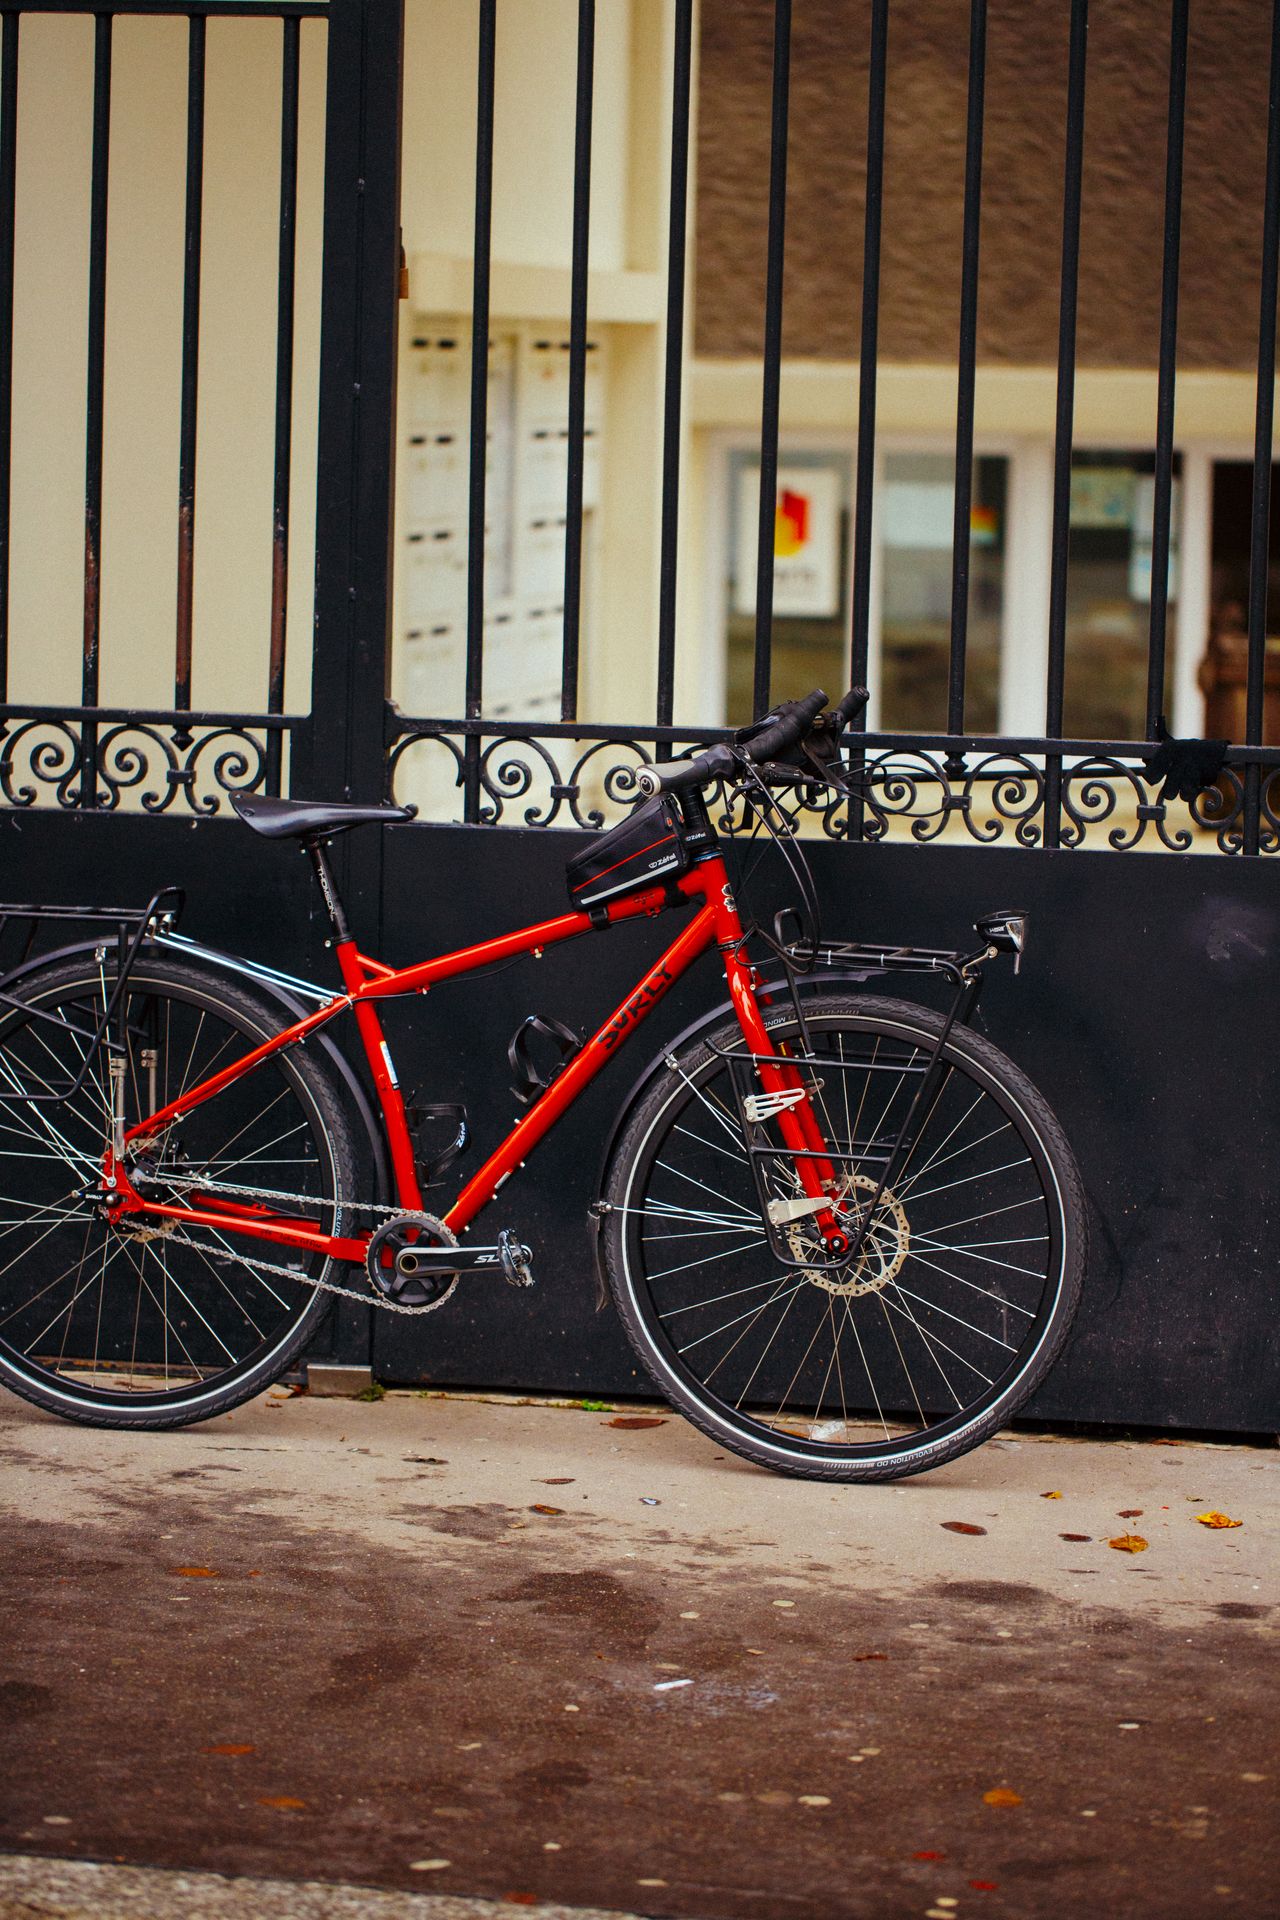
{"x":512,"y":1259}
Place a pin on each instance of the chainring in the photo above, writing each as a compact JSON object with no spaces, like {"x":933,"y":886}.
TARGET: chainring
{"x":387,"y":1274}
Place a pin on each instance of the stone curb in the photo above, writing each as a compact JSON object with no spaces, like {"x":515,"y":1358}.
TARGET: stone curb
{"x":36,"y":1888}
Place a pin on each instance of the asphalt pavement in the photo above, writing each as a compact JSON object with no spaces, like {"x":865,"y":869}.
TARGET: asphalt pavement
{"x":441,"y":1656}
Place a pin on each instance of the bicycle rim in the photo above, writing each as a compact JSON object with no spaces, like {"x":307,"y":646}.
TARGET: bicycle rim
{"x":957,"y":1305}
{"x":131,"y":1320}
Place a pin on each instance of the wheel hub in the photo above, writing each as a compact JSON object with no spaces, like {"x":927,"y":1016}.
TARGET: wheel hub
{"x":885,"y":1248}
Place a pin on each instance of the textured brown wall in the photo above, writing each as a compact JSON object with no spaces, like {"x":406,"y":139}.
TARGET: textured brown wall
{"x":1123,"y":206}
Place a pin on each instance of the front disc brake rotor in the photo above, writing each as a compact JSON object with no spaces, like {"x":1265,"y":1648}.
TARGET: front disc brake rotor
{"x":883,"y":1252}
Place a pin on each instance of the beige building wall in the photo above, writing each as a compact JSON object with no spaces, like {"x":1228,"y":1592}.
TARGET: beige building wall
{"x":143,"y":361}
{"x":531,"y":251}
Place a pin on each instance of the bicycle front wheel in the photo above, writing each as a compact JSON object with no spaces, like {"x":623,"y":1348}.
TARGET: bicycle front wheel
{"x":958,"y":1304}
{"x":144,"y":1323}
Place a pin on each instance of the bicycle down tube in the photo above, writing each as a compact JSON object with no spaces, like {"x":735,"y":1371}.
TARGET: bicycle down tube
{"x":367,"y":981}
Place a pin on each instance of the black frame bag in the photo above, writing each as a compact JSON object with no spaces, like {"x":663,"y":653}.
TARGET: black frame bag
{"x":652,"y":845}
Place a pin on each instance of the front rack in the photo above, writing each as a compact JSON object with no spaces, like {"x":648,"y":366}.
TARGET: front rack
{"x":1003,"y":931}
{"x":131,"y":925}
{"x":772,"y":1164}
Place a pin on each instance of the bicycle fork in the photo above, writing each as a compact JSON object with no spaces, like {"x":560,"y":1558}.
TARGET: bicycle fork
{"x":785,"y":1092}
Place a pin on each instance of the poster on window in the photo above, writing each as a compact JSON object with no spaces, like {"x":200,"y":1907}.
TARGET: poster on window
{"x":806,"y":542}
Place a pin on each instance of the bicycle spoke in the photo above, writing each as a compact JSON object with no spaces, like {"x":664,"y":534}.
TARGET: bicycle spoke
{"x":127,"y":1310}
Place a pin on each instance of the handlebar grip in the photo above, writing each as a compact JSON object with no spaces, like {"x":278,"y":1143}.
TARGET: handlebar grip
{"x":675,"y":774}
{"x":853,"y":703}
{"x":785,"y":732}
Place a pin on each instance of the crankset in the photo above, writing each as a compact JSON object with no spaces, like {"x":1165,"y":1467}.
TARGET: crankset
{"x":415,"y":1260}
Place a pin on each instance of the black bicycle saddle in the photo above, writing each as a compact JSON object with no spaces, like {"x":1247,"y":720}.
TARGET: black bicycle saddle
{"x":311,"y":819}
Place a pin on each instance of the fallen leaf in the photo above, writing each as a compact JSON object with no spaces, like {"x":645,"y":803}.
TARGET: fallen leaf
{"x":1051,"y":1496}
{"x":961,"y":1526}
{"x":633,"y":1422}
{"x":784,"y":1603}
{"x":425,"y":1460}
{"x":815,"y":1800}
{"x":1128,"y":1543}
{"x":285,"y":1800}
{"x":1212,"y":1519}
{"x":870,"y":1656}
{"x":539,"y":1507}
{"x":227,"y":1746}
{"x":561,"y":1480}
{"x":1002,"y":1797}
{"x":197,"y":1573}
{"x":985,"y":1886}
{"x":1075,"y":1536}
{"x":1129,"y":1513}
{"x":427,"y":1866}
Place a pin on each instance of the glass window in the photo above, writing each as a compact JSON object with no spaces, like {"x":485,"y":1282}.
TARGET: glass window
{"x":811,"y":578}
{"x":1109,"y":594}
{"x":916,"y":527}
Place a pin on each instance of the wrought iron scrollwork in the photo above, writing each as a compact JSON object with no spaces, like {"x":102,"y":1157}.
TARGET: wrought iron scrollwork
{"x":99,"y":760}
{"x":981,"y":793}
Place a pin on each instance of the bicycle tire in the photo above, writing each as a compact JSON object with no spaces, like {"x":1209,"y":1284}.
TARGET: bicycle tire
{"x":183,"y":1365}
{"x":839,"y":1443}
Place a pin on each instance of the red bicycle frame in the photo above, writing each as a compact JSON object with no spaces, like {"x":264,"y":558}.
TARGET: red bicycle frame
{"x":368,"y":981}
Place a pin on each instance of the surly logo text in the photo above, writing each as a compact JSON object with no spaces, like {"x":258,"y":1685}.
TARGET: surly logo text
{"x":636,"y":1008}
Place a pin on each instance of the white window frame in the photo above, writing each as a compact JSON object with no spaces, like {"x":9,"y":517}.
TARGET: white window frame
{"x":1024,"y":627}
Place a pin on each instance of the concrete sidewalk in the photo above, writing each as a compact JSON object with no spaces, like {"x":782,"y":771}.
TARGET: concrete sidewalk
{"x":448,"y":1646}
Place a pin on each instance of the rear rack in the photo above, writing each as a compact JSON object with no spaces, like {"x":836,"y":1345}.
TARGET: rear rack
{"x":131,"y":926}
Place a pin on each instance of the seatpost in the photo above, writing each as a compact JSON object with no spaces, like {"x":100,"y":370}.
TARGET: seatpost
{"x":324,"y":874}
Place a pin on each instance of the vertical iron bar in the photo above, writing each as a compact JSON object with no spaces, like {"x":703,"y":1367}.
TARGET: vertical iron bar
{"x":190,"y":360}
{"x":479,"y":401}
{"x":677,"y":230}
{"x":94,"y":401}
{"x":1162,"y":509}
{"x":1065,"y":416}
{"x":1260,"y":536}
{"x":8,"y":182}
{"x":577,"y":360}
{"x":960,"y":539}
{"x":285,"y":282}
{"x":772,"y":354}
{"x":868,"y":351}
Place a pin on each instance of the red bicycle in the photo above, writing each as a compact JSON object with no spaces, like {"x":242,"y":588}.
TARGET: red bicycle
{"x":844,"y":1233}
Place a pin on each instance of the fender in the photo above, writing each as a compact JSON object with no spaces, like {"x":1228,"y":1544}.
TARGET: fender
{"x":289,"y":1003}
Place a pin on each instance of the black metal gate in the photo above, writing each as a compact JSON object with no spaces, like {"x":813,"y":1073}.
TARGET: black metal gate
{"x":1175,"y":1116}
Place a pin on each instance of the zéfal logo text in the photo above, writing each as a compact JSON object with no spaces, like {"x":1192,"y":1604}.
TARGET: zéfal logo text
{"x":640,"y":1003}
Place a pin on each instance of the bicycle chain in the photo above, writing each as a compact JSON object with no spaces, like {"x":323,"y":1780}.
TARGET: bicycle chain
{"x":368,"y":1299}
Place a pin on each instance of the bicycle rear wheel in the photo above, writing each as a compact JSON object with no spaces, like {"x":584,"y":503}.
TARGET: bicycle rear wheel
{"x":956,"y":1308}
{"x":139,"y":1324}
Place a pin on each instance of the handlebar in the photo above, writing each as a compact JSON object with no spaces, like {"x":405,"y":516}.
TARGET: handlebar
{"x":793,"y":722}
